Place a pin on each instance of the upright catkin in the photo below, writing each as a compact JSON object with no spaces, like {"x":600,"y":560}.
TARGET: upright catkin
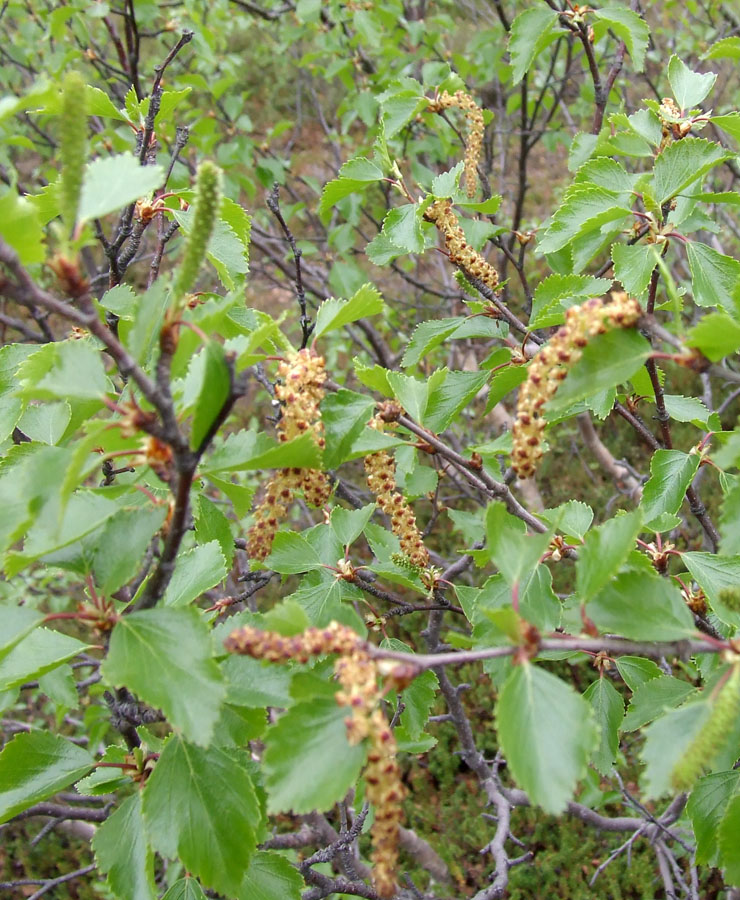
{"x":72,"y":146}
{"x":206,"y":207}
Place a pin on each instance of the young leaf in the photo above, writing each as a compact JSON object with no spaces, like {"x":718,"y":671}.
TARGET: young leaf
{"x":402,"y":226}
{"x":671,"y":473}
{"x":585,"y":208}
{"x":729,"y":856}
{"x":270,"y":876}
{"x":185,"y":889}
{"x":292,"y":554}
{"x":714,"y":574}
{"x":716,"y":335}
{"x":35,"y":765}
{"x":514,"y":552}
{"x":344,"y":415}
{"x":348,"y":524}
{"x":653,"y":698}
{"x":214,"y":390}
{"x":334,"y":314}
{"x":164,"y":656}
{"x":15,"y":623}
{"x":551,"y":296}
{"x":633,"y":266}
{"x":630,"y":28}
{"x":39,"y":652}
{"x":547,"y":734}
{"x":689,"y":88}
{"x":123,"y":853}
{"x":449,"y":397}
{"x":714,"y":276}
{"x":111,"y":182}
{"x":310,"y":737}
{"x":608,"y":708}
{"x":129,"y":531}
{"x":636,"y":671}
{"x":196,"y":571}
{"x":644,"y":607}
{"x":200,"y":805}
{"x":604,"y":551}
{"x":682,"y":163}
{"x":531,"y":31}
{"x":666,"y":742}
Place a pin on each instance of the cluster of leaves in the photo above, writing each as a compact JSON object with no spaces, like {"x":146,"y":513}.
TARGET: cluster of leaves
{"x":138,"y":425}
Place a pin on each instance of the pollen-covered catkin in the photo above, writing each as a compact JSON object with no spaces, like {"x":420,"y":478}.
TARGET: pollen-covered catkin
{"x":460,"y":251}
{"x":474,"y":137}
{"x":205,"y":211}
{"x":550,"y":366}
{"x":381,"y":479}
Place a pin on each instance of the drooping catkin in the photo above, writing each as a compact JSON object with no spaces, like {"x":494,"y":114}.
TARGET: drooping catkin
{"x":72,"y":146}
{"x":358,"y":675}
{"x":474,"y":137}
{"x":206,"y":207}
{"x":550,"y":366}
{"x":460,"y":251}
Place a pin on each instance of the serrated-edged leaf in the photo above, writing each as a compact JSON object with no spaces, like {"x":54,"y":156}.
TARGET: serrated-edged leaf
{"x":200,"y":805}
{"x":185,"y":889}
{"x":630,"y":28}
{"x":344,"y":415}
{"x":531,"y":31}
{"x":45,"y":422}
{"x":706,"y":808}
{"x":253,"y":683}
{"x":427,"y":336}
{"x":196,"y":571}
{"x":572,"y":518}
{"x":604,"y":551}
{"x":35,"y":765}
{"x":729,"y":123}
{"x":418,"y":697}
{"x":381,"y":250}
{"x":212,"y":525}
{"x":111,"y":182}
{"x":682,"y":163}
{"x":106,"y":779}
{"x":399,"y":109}
{"x":361,"y":169}
{"x":713,"y":573}
{"x":642,"y":606}
{"x":39,"y":652}
{"x":689,"y":88}
{"x":141,"y":335}
{"x":607,"y":361}
{"x":335,"y":314}
{"x":270,"y":876}
{"x":504,"y":381}
{"x":585,"y":207}
{"x":15,"y":623}
{"x":123,"y":853}
{"x":447,"y":184}
{"x":348,"y":524}
{"x":337,"y":190}
{"x":514,"y":552}
{"x":686,"y":409}
{"x":548,"y":307}
{"x":729,"y":853}
{"x":633,"y":266}
{"x":164,"y":656}
{"x":291,"y":554}
{"x":122,"y":545}
{"x":447,"y":399}
{"x":547,"y":734}
{"x":714,"y":276}
{"x":410,"y":392}
{"x":671,"y":473}
{"x":636,"y":671}
{"x":716,"y":335}
{"x":653,"y":698}
{"x":727,"y":48}
{"x":214,"y":389}
{"x":20,"y":226}
{"x":402,"y":226}
{"x":608,"y":708}
{"x":310,"y":737}
{"x":247,"y":450}
{"x":76,"y":373}
{"x":666,"y":741}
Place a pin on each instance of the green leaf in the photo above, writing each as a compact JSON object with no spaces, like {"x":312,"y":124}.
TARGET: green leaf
{"x":653,"y":698}
{"x":714,"y":276}
{"x":256,"y":684}
{"x":212,"y":525}
{"x":200,"y":805}
{"x":447,"y":399}
{"x":666,"y":741}
{"x":716,"y":335}
{"x":334,"y":314}
{"x":628,"y":27}
{"x":310,"y":737}
{"x":196,"y":571}
{"x":344,"y":415}
{"x":381,"y":250}
{"x":604,"y":551}
{"x":185,"y":889}
{"x":291,"y":554}
{"x":531,"y":31}
{"x":123,"y":853}
{"x":46,"y":422}
{"x":687,"y":409}
{"x":122,"y":544}
{"x":111,"y":182}
{"x":682,"y":163}
{"x":727,"y":48}
{"x":514,"y":552}
{"x":643,"y":607}
{"x":689,"y":88}
{"x":633,"y":266}
{"x":164,"y":656}
{"x":585,"y":208}
{"x":706,"y":809}
{"x":731,"y":124}
{"x":607,"y":361}
{"x":636,"y":671}
{"x":551,"y":296}
{"x":448,"y":183}
{"x":427,"y":336}
{"x":15,"y":623}
{"x":348,"y":524}
{"x":337,"y":190}
{"x":39,"y":652}
{"x":214,"y":390}
{"x":269,"y":877}
{"x":727,"y":833}
{"x":547,"y":734}
{"x":402,"y":226}
{"x":411,"y":393}
{"x":608,"y":708}
{"x":714,"y":573}
{"x":35,"y":765}
{"x":671,"y":474}
{"x":400,"y":109}
{"x":248,"y":450}
{"x":572,"y":518}
{"x":21,"y":228}
{"x":76,"y":373}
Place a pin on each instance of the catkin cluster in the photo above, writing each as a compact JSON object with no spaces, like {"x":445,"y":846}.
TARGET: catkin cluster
{"x":474,"y":137}
{"x":357,"y":673}
{"x":301,"y":390}
{"x":460,"y":251}
{"x":381,"y":479}
{"x":550,"y":367}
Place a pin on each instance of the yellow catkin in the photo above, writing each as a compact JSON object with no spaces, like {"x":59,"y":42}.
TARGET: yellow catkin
{"x":474,"y":137}
{"x":357,"y":673}
{"x":380,"y":469}
{"x":300,"y":391}
{"x":550,"y":366}
{"x":460,"y":251}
